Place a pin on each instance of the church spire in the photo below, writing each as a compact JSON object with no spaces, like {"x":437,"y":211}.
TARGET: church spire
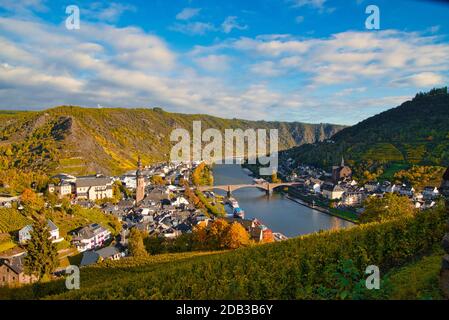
{"x":139,"y":166}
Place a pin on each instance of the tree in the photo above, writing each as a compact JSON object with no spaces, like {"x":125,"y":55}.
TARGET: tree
{"x":31,"y":201}
{"x":157,"y":180}
{"x":135,"y":244}
{"x":216,"y":234}
{"x":42,"y":256}
{"x":274,"y":178}
{"x":236,"y":236}
{"x":200,"y":236}
{"x":389,"y":207}
{"x":202,"y":175}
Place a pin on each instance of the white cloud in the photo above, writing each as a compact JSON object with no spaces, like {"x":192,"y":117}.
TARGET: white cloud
{"x":213,"y":62}
{"x":107,"y":12}
{"x":43,"y":65}
{"x":311,"y":3}
{"x":299,"y":19}
{"x":193,"y":28}
{"x":423,"y":80}
{"x":266,"y":69}
{"x":231,"y":23}
{"x":188,"y":13}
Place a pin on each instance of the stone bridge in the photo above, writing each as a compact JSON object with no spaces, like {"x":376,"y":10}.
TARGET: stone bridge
{"x":267,"y":187}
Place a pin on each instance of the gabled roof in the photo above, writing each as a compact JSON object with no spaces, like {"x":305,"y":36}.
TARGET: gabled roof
{"x":16,"y":263}
{"x":51,"y":225}
{"x":107,"y":252}
{"x":92,"y":181}
{"x":89,"y":257}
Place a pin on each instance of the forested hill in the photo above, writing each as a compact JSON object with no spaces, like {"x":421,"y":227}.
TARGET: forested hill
{"x":81,"y":140}
{"x":416,"y":132}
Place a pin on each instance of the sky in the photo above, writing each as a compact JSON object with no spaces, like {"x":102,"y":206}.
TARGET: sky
{"x":288,"y":60}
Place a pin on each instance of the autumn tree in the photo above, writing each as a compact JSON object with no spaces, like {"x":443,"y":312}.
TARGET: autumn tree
{"x":220,"y":235}
{"x":217,"y":232}
{"x":135,"y":244}
{"x":42,"y":256}
{"x":236,"y":236}
{"x":389,"y":207}
{"x":202,"y":175}
{"x":157,"y":180}
{"x":31,"y":201}
{"x":274,"y":178}
{"x":200,"y":236}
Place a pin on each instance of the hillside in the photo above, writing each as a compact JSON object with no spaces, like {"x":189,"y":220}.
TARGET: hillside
{"x":415,"y":133}
{"x":326,"y":265}
{"x":81,"y":140}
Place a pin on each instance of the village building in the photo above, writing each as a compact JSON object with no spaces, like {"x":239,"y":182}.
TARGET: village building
{"x":372,"y":186}
{"x":140,"y":182}
{"x":353,"y":199}
{"x":92,"y":257}
{"x":12,"y":271}
{"x":430,"y":192}
{"x":25,"y":233}
{"x":341,"y":172}
{"x":63,"y":189}
{"x":94,"y":187}
{"x":331,"y":191}
{"x":90,"y":237}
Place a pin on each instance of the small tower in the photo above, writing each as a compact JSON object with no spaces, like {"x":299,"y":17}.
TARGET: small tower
{"x":140,"y":182}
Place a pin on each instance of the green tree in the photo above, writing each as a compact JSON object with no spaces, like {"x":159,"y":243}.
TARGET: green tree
{"x":389,"y":207}
{"x":135,"y":244}
{"x":42,"y":256}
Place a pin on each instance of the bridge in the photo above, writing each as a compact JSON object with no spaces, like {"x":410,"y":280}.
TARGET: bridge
{"x":267,"y":187}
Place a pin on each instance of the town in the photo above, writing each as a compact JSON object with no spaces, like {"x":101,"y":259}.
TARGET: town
{"x":158,"y":200}
{"x":338,"y":193}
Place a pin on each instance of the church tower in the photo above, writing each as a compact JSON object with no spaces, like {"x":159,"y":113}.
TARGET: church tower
{"x":140,"y":182}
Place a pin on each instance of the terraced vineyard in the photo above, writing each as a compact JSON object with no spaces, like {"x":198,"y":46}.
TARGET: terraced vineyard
{"x":12,"y":220}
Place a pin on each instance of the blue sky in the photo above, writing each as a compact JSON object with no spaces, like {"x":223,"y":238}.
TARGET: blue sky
{"x":290,"y":60}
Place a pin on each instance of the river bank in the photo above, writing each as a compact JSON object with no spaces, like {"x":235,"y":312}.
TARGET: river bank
{"x":302,"y":200}
{"x":276,"y":211}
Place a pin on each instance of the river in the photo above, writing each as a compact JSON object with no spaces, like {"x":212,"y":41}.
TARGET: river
{"x":277,"y":212}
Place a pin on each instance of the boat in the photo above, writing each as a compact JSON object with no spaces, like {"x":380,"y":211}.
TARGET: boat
{"x":239,"y":213}
{"x":233,"y":203}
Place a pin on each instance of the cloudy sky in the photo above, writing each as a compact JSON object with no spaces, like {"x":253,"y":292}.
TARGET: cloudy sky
{"x":291,"y":60}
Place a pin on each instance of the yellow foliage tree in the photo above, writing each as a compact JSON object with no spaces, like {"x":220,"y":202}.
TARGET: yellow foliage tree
{"x":236,"y":237}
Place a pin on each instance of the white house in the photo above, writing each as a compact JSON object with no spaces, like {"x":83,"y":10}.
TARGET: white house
{"x":430,"y":192}
{"x":91,"y":237}
{"x":94,"y":187}
{"x":179,"y":201}
{"x":331,"y":191}
{"x":25,"y":233}
{"x":407,"y":191}
{"x":62,"y":190}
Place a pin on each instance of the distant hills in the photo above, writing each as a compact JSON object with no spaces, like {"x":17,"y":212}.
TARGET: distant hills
{"x":81,"y":140}
{"x":415,"y":133}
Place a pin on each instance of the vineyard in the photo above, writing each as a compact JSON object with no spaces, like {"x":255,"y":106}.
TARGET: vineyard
{"x":307,"y":267}
{"x":12,"y":220}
